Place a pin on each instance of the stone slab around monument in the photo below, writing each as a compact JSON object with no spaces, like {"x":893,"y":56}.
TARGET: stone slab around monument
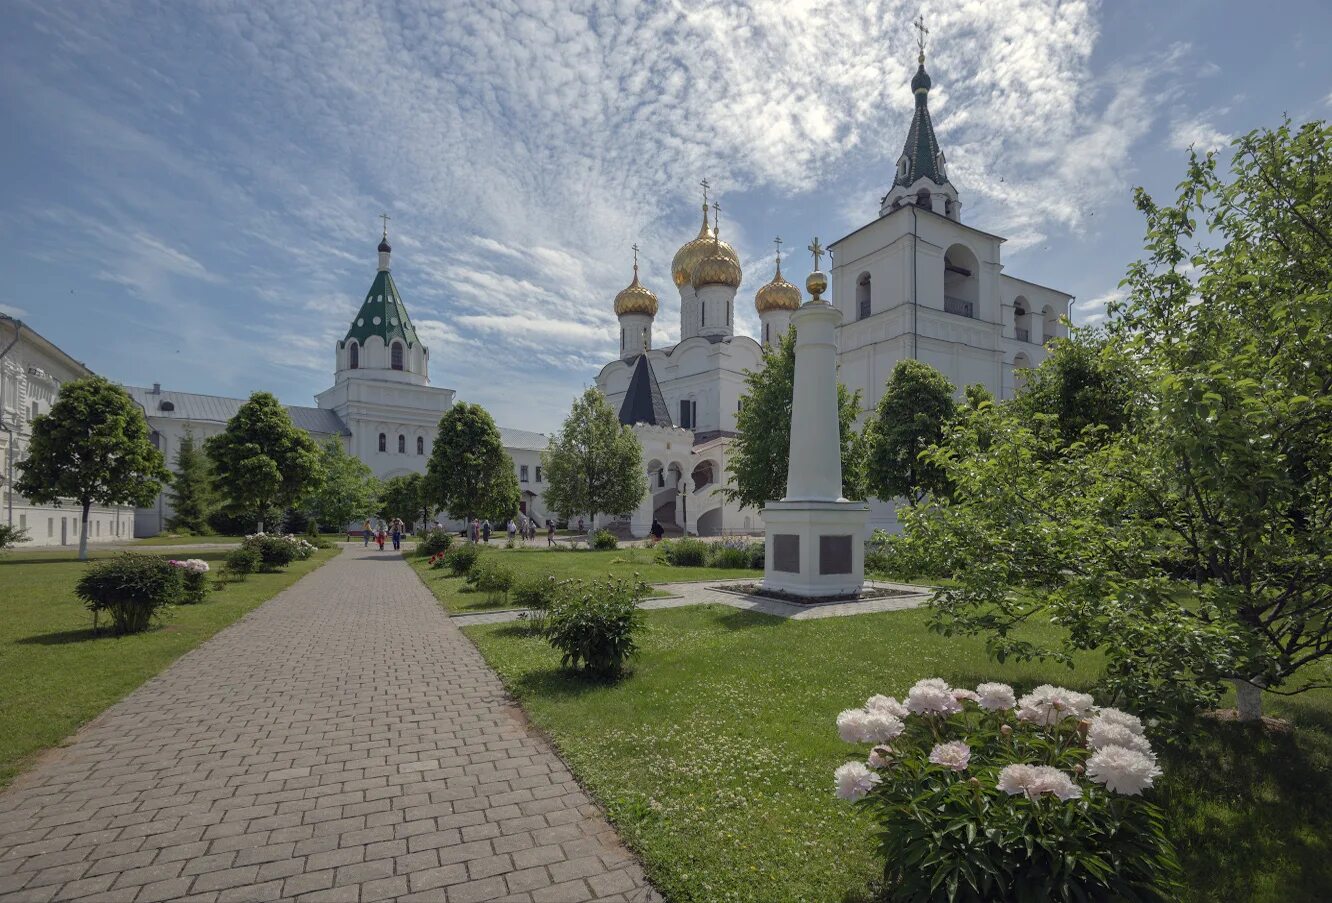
{"x":816,"y":548}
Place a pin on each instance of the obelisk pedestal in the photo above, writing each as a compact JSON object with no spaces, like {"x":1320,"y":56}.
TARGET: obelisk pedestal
{"x":815,"y":538}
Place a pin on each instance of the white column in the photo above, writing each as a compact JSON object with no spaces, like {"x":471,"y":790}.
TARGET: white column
{"x":814,"y":470}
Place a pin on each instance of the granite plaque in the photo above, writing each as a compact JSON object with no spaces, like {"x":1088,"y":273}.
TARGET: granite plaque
{"x":786,"y":552}
{"x":834,"y":554}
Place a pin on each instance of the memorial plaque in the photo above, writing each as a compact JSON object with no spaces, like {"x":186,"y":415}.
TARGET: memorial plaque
{"x":786,"y":552}
{"x":834,"y":554}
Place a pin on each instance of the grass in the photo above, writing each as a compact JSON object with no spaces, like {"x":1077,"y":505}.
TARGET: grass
{"x":458,"y":597}
{"x":184,"y":539}
{"x":58,"y":674}
{"x":714,"y":757}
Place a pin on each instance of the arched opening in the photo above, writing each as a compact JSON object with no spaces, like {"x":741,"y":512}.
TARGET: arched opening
{"x":383,"y":442}
{"x":702,"y":313}
{"x":1021,"y":364}
{"x":923,"y":199}
{"x":902,"y":164}
{"x":402,"y":444}
{"x":621,"y":338}
{"x":862,"y":296}
{"x":395,"y":356}
{"x":767,"y":340}
{"x":961,"y":282}
{"x":1022,"y":319}
{"x":702,"y":476}
{"x":420,"y":445}
{"x":353,"y":356}
{"x":1050,"y":323}
{"x":666,"y":500}
{"x":710,"y":522}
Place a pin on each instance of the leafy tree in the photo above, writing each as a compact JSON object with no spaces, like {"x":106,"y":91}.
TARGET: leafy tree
{"x":1193,"y":546}
{"x":262,"y":462}
{"x":348,"y":491}
{"x":1086,"y":381}
{"x":469,"y":473}
{"x":404,"y":497}
{"x":93,"y":448}
{"x":191,"y":491}
{"x":761,"y":452}
{"x":11,"y":536}
{"x":916,"y":408}
{"x":594,"y":465}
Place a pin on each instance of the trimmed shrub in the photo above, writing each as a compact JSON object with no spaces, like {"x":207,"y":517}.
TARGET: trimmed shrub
{"x":685,"y":552}
{"x":461,"y":558}
{"x":729,"y":555}
{"x":593,"y":624}
{"x":604,"y":541}
{"x":758,"y":553}
{"x":243,"y":561}
{"x":131,"y":589}
{"x":491,"y":577}
{"x":434,"y":542}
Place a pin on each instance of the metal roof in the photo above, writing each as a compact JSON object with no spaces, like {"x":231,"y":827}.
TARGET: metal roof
{"x":218,"y":409}
{"x":523,"y":439}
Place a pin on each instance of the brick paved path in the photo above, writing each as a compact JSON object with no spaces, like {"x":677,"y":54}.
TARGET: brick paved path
{"x":343,"y":742}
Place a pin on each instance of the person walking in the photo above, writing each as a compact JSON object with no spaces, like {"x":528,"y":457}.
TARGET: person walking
{"x":580,"y":527}
{"x":485,"y":531}
{"x":366,"y":530}
{"x":381,"y":536}
{"x":512,"y":529}
{"x":396,"y":527}
{"x":476,"y":529}
{"x":550,"y":532}
{"x":658,"y":531}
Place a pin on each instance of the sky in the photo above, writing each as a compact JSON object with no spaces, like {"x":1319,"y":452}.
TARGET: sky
{"x":191,"y":191}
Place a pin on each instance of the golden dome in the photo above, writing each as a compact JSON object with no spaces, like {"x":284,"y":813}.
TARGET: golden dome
{"x":693,"y":252}
{"x":635,"y":299}
{"x":777,"y":294}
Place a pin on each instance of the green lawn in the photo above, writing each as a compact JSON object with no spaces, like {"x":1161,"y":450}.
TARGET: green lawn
{"x":55,"y":674}
{"x":715,"y":756}
{"x":458,"y":597}
{"x":184,"y":539}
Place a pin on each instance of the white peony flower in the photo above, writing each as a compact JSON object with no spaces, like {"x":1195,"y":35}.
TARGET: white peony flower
{"x":880,"y":757}
{"x":1104,"y":733}
{"x":880,"y":727}
{"x":852,"y":726}
{"x":854,"y":780}
{"x":1115,"y":716}
{"x":932,"y":697}
{"x":1015,"y":779}
{"x":887,"y":704}
{"x":1035,"y":780}
{"x":1122,"y":770}
{"x":996,"y":697}
{"x":960,"y":695}
{"x":954,"y":755}
{"x":1047,"y":705}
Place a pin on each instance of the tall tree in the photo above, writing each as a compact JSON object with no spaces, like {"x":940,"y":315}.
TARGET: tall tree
{"x":469,"y":473}
{"x":191,"y":491}
{"x":1086,"y":381}
{"x":262,"y":461}
{"x":594,"y":465}
{"x":404,"y":497}
{"x":349,"y":490}
{"x":93,"y":448}
{"x":916,"y":407}
{"x":761,"y":450}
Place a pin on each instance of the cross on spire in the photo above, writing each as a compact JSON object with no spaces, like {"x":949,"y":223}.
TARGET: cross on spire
{"x":778,"y":242}
{"x":635,"y":247}
{"x":716,"y":221}
{"x":385,"y":218}
{"x":923,"y":33}
{"x":817,"y":250}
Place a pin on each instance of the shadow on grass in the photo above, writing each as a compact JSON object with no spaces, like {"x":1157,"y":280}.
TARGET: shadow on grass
{"x":65,"y":637}
{"x":737,"y":619}
{"x":559,"y":683}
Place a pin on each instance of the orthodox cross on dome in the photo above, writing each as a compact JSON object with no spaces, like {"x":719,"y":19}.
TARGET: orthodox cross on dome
{"x":923,"y":33}
{"x":635,"y":248}
{"x":716,"y":221}
{"x":817,"y":250}
{"x":385,"y":218}
{"x":778,"y":242}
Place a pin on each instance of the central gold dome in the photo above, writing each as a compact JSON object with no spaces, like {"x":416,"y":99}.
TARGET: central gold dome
{"x":636,"y":299}
{"x":777,"y":294}
{"x":694,"y":251}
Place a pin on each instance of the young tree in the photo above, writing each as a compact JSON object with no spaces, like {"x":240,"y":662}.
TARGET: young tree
{"x":93,"y":448}
{"x":1086,"y":381}
{"x":404,"y":497}
{"x":1195,"y":544}
{"x":760,"y":453}
{"x":262,"y":461}
{"x":349,"y":490}
{"x":916,"y":408}
{"x":191,"y":491}
{"x":594,"y":465}
{"x":469,"y":473}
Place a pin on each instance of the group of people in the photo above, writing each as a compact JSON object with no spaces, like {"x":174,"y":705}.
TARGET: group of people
{"x":524,"y":527}
{"x":382,"y":531}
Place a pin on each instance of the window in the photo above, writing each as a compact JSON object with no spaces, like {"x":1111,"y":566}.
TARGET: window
{"x":34,"y":410}
{"x":522,"y":474}
{"x":354,"y":356}
{"x":703,"y":313}
{"x":23,"y":521}
{"x":863,"y":296}
{"x":538,"y":473}
{"x":766,"y":340}
{"x":50,"y":527}
{"x":395,"y":353}
{"x":661,"y":478}
{"x":402,"y":444}
{"x":621,"y":339}
{"x":728,"y":313}
{"x":420,"y":445}
{"x":383,"y":442}
{"x":684,"y":413}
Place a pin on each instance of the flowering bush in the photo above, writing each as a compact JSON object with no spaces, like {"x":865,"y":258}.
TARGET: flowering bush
{"x":276,"y":551}
{"x":194,"y":574}
{"x":980,"y":795}
{"x":133,"y":590}
{"x":604,"y":541}
{"x":434,"y":544}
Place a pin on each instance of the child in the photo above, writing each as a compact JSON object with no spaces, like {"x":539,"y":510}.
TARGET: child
{"x":380,"y":537}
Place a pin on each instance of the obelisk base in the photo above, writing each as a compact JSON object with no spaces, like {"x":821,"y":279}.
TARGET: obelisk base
{"x":814,"y":548}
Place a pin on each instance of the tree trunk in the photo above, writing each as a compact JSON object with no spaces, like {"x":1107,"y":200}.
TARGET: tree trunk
{"x":83,"y":533}
{"x":1249,"y":699}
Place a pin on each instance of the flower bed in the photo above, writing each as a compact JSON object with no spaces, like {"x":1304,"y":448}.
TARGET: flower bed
{"x":194,"y":572}
{"x":983,"y":796}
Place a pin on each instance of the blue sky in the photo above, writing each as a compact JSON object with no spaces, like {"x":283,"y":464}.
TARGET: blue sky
{"x":191,"y":190}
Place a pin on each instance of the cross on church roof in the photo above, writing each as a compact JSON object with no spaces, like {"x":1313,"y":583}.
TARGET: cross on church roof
{"x":923,"y":32}
{"x":778,"y":242}
{"x":817,"y":250}
{"x":385,"y":218}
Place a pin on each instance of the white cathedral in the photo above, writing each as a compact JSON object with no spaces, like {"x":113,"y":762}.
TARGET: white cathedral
{"x":915,"y":282}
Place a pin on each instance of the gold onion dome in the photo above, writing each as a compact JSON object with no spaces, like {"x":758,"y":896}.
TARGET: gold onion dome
{"x":635,"y":299}
{"x":777,"y":294}
{"x":694,"y":251}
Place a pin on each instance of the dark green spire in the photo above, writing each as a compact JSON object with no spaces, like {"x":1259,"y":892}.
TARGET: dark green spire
{"x":921,"y":150}
{"x":382,"y":313}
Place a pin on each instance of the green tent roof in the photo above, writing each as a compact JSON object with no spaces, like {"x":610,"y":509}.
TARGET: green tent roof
{"x":382,"y":314}
{"x":921,"y":150}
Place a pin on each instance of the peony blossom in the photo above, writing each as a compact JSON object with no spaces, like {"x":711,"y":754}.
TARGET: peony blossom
{"x":1104,"y":733}
{"x":887,"y":704}
{"x":880,"y":727}
{"x":932,"y":697}
{"x":854,"y":780}
{"x":1122,"y":770}
{"x":1036,"y":780}
{"x":1047,"y":705}
{"x":954,"y":755}
{"x":851,"y":726}
{"x":880,"y":757}
{"x":1115,"y":716}
{"x":960,"y":695}
{"x":996,"y":697}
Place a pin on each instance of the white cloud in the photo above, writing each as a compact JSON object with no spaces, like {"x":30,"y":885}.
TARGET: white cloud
{"x":12,"y":311}
{"x":1092,"y":311}
{"x":1197,"y":133}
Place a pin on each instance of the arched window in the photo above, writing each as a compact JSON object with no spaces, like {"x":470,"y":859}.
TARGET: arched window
{"x":420,"y":445}
{"x":923,"y":199}
{"x":766,"y":339}
{"x":621,"y":339}
{"x":961,"y":282}
{"x":1022,"y":319}
{"x":702,"y":313}
{"x":395,"y":359}
{"x":1050,"y":324}
{"x":353,"y":356}
{"x":383,"y":442}
{"x":863,"y":296}
{"x":1021,"y":366}
{"x":402,"y":444}
{"x":728,"y":313}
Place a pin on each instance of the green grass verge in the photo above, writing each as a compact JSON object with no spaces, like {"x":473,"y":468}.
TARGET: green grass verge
{"x":458,"y":597}
{"x":184,"y":539}
{"x":714,"y":757}
{"x":56,"y":675}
